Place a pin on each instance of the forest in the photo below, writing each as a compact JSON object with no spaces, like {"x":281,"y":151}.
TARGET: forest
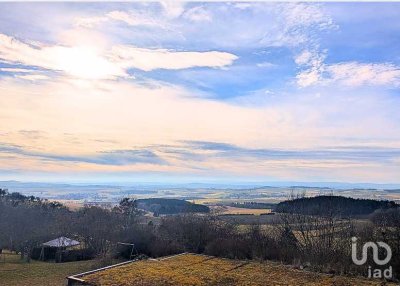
{"x":343,"y":206}
{"x":160,"y":206}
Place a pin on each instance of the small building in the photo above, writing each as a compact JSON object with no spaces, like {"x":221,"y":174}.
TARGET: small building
{"x":56,"y":249}
{"x":61,"y":242}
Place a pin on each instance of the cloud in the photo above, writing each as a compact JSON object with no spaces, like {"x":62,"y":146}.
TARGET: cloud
{"x":211,"y":110}
{"x":266,"y":65}
{"x":131,"y":18}
{"x":350,"y":74}
{"x":151,"y":59}
{"x":313,"y":62}
{"x":288,"y":137}
{"x":306,"y":14}
{"x":173,"y":9}
{"x":186,"y":155}
{"x":90,"y":22}
{"x":81,"y":62}
{"x":33,"y":77}
{"x":348,"y":153}
{"x":355,"y":74}
{"x":300,"y":22}
{"x":310,"y":58}
{"x":15,"y":70}
{"x":25,"y":74}
{"x":89,"y":63}
{"x":198,"y":14}
{"x":112,"y":158}
{"x":31,"y":134}
{"x":218,"y":25}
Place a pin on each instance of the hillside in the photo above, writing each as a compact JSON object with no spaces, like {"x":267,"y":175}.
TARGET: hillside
{"x":325,"y":205}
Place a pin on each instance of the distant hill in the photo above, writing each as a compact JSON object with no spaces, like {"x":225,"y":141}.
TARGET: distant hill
{"x":160,"y":206}
{"x":324,"y":205}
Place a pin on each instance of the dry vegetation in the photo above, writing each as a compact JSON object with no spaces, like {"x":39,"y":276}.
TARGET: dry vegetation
{"x":200,"y":270}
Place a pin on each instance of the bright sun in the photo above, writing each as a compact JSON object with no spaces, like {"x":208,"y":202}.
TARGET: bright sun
{"x":85,"y":63}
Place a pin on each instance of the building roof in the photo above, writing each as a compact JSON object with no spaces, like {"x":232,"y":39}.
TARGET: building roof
{"x":61,"y":242}
{"x":200,"y":270}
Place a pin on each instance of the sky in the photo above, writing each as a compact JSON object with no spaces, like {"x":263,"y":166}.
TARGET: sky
{"x":193,"y":92}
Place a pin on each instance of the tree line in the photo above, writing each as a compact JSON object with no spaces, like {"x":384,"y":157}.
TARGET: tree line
{"x":317,"y":242}
{"x":341,"y":205}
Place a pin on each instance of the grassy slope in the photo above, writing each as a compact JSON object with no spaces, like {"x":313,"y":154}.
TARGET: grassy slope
{"x":16,"y":273}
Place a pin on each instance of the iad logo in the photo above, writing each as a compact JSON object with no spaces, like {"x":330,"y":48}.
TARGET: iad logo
{"x":373,"y":273}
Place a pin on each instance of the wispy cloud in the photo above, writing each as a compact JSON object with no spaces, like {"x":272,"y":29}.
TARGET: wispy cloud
{"x":350,"y":153}
{"x":112,"y":158}
{"x":352,"y":74}
{"x":188,"y":154}
{"x":15,"y":70}
{"x":357,"y":74}
{"x":130,"y":18}
{"x":198,"y":14}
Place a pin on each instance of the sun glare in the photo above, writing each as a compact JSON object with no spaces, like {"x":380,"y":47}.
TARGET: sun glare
{"x":85,"y":63}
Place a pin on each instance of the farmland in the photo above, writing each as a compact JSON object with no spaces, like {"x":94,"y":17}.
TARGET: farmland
{"x":228,"y":210}
{"x":200,"y":270}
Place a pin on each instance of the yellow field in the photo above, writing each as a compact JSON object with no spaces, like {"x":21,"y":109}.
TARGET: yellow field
{"x":199,"y":270}
{"x":14,"y":272}
{"x":72,"y":204}
{"x":234,"y":210}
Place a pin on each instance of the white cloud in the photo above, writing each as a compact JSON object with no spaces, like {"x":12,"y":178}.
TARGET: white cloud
{"x":170,"y":114}
{"x":15,"y":70}
{"x":313,"y":60}
{"x":243,"y":5}
{"x":299,"y":22}
{"x":150,"y":59}
{"x":225,"y":25}
{"x":90,"y":63}
{"x":82,"y":62}
{"x":266,"y":65}
{"x":131,"y":18}
{"x":308,"y":77}
{"x":173,"y":9}
{"x":198,"y":14}
{"x":351,"y":74}
{"x":90,"y":22}
{"x":356,"y":74}
{"x":306,"y":14}
{"x":33,"y":77}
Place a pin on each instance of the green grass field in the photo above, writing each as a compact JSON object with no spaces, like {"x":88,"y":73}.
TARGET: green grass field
{"x":14,"y":272}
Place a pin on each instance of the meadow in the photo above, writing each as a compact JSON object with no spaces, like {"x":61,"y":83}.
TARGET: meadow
{"x":17,"y":272}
